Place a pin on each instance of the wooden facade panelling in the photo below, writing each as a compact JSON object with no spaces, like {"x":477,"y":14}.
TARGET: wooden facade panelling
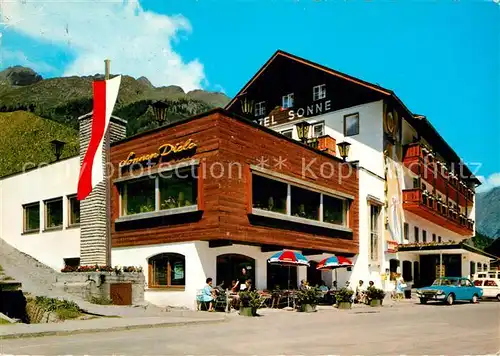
{"x":226,"y":148}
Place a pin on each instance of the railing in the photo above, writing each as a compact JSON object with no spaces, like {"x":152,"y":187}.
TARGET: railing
{"x":422,"y":162}
{"x":418,"y":200}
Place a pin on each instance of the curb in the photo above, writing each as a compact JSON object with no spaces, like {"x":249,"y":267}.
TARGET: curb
{"x":116,"y":328}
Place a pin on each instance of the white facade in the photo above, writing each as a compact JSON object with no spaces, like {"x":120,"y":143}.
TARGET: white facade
{"x":57,"y":180}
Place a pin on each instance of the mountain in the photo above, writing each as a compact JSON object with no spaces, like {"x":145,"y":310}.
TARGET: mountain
{"x":34,"y":111}
{"x":488,"y":213}
{"x":25,"y":141}
{"x":65,"y":99}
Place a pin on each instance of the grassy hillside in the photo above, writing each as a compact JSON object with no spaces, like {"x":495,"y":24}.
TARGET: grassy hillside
{"x":25,"y":138}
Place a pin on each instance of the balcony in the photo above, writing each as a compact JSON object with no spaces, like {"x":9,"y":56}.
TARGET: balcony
{"x":422,"y":162}
{"x":426,"y":206}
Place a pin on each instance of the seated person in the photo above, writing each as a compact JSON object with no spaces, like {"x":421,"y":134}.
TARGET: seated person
{"x":234,"y":286}
{"x":360,"y":292}
{"x":208,"y":295}
{"x":304,"y":285}
{"x":249,"y":286}
{"x":323,"y":287}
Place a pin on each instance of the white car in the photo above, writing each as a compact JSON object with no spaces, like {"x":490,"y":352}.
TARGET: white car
{"x":490,"y":287}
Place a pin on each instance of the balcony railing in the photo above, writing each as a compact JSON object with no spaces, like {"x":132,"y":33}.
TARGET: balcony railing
{"x":422,"y":162}
{"x":431,"y":208}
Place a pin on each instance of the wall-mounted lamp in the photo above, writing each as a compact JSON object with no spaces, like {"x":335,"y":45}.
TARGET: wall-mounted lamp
{"x":160,"y":111}
{"x":57,"y":148}
{"x":303,"y":130}
{"x":246,"y":106}
{"x":344,"y":149}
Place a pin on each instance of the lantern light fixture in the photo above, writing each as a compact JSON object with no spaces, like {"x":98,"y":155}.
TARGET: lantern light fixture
{"x":57,"y":148}
{"x":303,"y":131}
{"x":344,"y":149}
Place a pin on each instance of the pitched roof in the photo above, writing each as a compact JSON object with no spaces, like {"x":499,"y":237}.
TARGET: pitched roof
{"x":415,"y":119}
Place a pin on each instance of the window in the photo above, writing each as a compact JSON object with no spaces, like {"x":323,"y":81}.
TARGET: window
{"x":167,"y":270}
{"x":139,"y":196}
{"x":287,"y":101}
{"x":407,"y":269}
{"x":424,"y":236}
{"x":53,"y":213}
{"x":260,"y":108}
{"x":478,"y":283}
{"x":416,"y":234}
{"x":334,"y":211}
{"x":490,"y":283}
{"x":31,"y":217}
{"x":351,"y":124}
{"x":288,"y":133}
{"x":406,"y":228}
{"x":268,"y":194}
{"x":280,"y":197}
{"x":440,"y":239}
{"x":74,"y":211}
{"x":305,"y":203}
{"x":177,"y":191}
{"x":374,"y":234}
{"x":319,"y":92}
{"x":434,"y":238}
{"x":73,"y":262}
{"x":318,"y":129}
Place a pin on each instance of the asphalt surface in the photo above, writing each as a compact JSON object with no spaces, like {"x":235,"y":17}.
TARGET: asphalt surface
{"x":409,"y":329}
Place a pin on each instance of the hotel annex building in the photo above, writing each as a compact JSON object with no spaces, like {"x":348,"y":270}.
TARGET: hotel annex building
{"x":209,"y":195}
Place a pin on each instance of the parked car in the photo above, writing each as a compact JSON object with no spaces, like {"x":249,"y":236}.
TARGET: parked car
{"x":490,"y":287}
{"x":449,"y":290}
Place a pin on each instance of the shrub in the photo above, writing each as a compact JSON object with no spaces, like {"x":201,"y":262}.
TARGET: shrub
{"x":64,"y":309}
{"x":100,"y":300}
{"x":250,"y":299}
{"x":373,"y":293}
{"x":344,"y":295}
{"x":309,"y":296}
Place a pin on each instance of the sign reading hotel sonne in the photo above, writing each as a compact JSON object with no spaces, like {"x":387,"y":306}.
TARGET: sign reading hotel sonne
{"x":165,"y":152}
{"x":310,"y":110}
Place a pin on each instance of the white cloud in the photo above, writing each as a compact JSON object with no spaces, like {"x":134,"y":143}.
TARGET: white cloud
{"x":488,"y":183}
{"x":138,"y":42}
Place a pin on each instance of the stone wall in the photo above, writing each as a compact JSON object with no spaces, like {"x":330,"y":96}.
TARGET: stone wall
{"x":94,"y":216}
{"x":97,"y":284}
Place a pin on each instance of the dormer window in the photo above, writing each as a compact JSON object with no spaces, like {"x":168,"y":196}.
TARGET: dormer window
{"x":287,"y":101}
{"x":319,"y":92}
{"x":260,"y":108}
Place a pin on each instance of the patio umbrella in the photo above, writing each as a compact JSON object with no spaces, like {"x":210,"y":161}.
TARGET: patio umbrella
{"x":288,"y":258}
{"x":334,"y":262}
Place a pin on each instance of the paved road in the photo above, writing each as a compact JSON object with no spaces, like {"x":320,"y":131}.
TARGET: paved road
{"x":404,"y":329}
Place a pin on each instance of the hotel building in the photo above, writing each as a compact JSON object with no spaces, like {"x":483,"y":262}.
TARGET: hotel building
{"x":209,"y":195}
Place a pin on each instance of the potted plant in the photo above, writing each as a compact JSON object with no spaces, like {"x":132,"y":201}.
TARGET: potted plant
{"x":308,"y":299}
{"x":249,"y":303}
{"x":375,"y":296}
{"x":343,"y":298}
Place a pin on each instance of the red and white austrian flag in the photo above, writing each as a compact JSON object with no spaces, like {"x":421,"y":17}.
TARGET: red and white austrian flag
{"x":92,"y":170}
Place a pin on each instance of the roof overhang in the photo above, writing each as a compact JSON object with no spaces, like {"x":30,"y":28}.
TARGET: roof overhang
{"x":433,"y":248}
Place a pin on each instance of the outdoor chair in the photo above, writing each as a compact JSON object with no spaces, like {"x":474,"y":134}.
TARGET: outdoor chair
{"x":221,"y":301}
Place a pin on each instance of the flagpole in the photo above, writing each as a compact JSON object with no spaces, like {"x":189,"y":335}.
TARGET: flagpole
{"x":107,"y":64}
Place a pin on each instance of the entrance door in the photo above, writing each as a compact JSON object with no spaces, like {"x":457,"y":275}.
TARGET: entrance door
{"x":313,"y":275}
{"x":230,"y":266}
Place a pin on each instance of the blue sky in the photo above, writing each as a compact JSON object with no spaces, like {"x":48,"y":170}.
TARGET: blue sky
{"x":441,"y":58}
